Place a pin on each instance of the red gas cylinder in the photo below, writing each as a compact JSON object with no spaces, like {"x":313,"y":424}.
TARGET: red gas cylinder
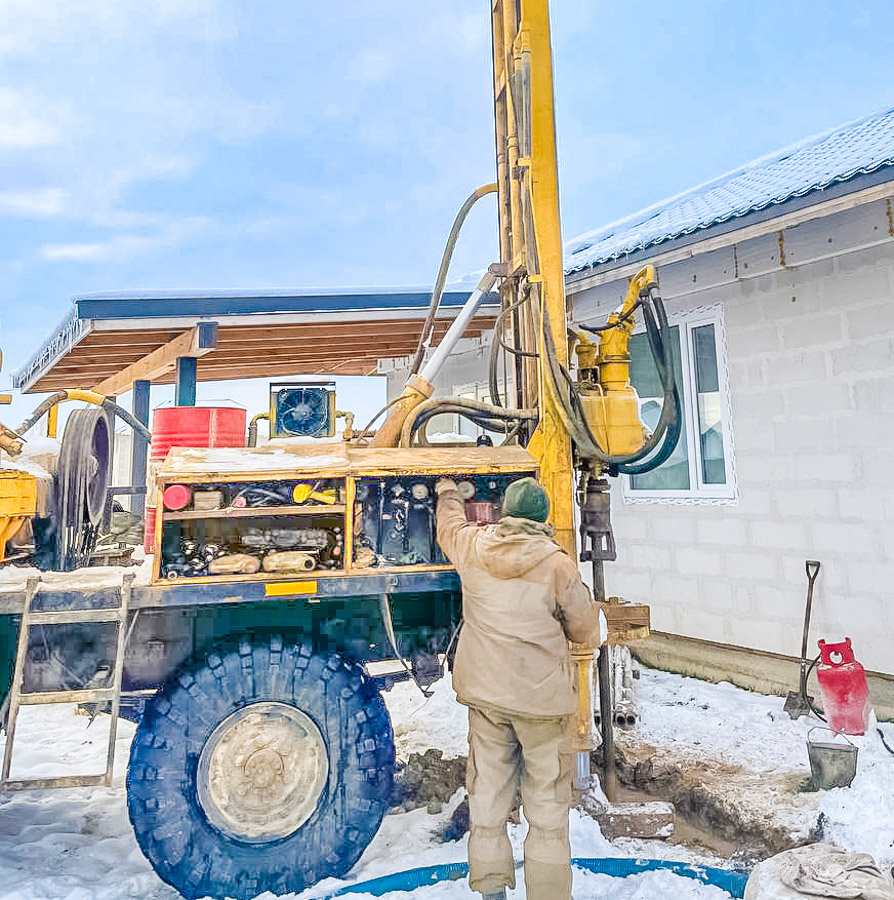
{"x":845,"y":694}
{"x":196,"y":426}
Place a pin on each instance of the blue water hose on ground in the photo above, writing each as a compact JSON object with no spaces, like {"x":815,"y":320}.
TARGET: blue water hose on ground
{"x":731,"y":881}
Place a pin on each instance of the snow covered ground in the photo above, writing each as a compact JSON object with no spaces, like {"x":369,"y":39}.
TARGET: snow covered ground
{"x":78,"y":845}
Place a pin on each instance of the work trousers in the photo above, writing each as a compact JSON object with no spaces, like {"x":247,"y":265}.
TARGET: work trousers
{"x":508,"y":753}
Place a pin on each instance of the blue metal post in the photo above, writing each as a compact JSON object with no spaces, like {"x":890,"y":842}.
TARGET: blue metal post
{"x":138,"y":462}
{"x":185,"y":385}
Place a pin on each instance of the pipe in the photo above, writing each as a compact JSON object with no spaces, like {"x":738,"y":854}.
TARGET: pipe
{"x":85,"y":397}
{"x":253,"y":428}
{"x":438,"y":291}
{"x":729,"y":880}
{"x":457,"y":327}
{"x":419,"y":387}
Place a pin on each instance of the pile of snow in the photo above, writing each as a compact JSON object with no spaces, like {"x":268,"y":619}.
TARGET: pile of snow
{"x":760,"y":757}
{"x":78,"y":845}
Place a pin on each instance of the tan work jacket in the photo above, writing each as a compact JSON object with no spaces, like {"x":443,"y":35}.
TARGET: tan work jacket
{"x":523,"y":600}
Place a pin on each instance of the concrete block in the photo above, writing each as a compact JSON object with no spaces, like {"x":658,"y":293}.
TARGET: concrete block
{"x":762,"y":468}
{"x":694,"y":561}
{"x":675,"y":529}
{"x":812,"y":400}
{"x":866,"y":503}
{"x":741,"y":313}
{"x":760,"y":404}
{"x":873,"y":320}
{"x":872,"y":266}
{"x":824,"y":466}
{"x":753,"y":435}
{"x":872,"y":579}
{"x":866,"y":356}
{"x":750,"y":565}
{"x":715,"y":595}
{"x":844,"y":538}
{"x":754,"y":501}
{"x":647,"y":556}
{"x":630,"y":523}
{"x":877,"y":464}
{"x":864,"y":430}
{"x":807,"y":502}
{"x":804,"y":434}
{"x":776,"y":535}
{"x":813,"y":331}
{"x":722,"y":528}
{"x":752,"y":340}
{"x":806,"y":366}
{"x":876,"y":394}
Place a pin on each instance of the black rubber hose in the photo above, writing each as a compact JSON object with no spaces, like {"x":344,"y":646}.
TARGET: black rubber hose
{"x":438,"y":290}
{"x":122,"y":413}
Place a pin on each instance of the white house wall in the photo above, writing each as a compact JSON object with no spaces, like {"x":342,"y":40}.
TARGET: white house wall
{"x":809,"y":324}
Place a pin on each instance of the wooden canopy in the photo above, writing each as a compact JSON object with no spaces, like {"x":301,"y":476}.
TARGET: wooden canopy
{"x":109,"y":341}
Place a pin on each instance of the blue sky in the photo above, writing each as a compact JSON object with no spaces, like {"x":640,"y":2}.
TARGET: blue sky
{"x":282,"y":143}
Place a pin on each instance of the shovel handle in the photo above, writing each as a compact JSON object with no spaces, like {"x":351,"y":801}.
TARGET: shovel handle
{"x":812,"y":566}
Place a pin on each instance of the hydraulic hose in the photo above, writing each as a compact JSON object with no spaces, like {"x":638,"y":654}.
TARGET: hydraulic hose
{"x":438,"y":291}
{"x":86,"y":397}
{"x":489,"y":416}
{"x":663,"y":439}
{"x":497,"y":344}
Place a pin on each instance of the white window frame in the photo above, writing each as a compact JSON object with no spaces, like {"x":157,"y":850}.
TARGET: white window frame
{"x":698,"y":492}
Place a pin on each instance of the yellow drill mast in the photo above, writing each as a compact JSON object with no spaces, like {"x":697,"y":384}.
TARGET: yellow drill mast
{"x":533,"y":288}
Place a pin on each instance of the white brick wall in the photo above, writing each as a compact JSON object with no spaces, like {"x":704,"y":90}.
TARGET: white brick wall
{"x":812,"y":384}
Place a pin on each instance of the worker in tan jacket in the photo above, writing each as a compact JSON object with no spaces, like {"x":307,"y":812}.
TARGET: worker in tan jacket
{"x":523,"y":601}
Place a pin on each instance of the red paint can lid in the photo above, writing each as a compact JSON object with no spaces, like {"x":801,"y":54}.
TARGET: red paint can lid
{"x":176,"y":496}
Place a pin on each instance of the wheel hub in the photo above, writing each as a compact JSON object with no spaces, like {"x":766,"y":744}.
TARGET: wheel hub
{"x":262,"y":771}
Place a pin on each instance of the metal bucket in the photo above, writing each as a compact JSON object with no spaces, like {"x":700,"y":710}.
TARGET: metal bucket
{"x":831,"y":765}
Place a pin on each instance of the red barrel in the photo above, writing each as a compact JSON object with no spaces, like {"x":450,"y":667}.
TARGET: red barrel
{"x":196,"y":426}
{"x":188,"y":426}
{"x":842,"y":682}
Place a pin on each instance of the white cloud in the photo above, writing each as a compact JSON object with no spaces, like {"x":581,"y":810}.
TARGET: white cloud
{"x":29,"y":26}
{"x":27,"y":121}
{"x":122,"y":248}
{"x":41,"y":203}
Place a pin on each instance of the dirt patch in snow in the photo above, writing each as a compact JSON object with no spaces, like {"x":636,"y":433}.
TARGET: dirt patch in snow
{"x":720,"y":799}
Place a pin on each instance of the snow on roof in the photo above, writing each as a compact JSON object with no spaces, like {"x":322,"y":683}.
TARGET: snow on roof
{"x":856,"y":148}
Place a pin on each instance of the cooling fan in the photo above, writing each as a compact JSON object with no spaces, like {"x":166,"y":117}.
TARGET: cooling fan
{"x":302,"y":410}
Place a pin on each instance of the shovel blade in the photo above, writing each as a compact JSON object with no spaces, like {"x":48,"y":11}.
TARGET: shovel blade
{"x":797,"y":704}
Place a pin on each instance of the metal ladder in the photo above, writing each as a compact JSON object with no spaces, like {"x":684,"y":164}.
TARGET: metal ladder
{"x":112,"y":695}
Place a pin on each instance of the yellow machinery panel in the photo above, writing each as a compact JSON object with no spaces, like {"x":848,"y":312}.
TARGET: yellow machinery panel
{"x":18,"y":503}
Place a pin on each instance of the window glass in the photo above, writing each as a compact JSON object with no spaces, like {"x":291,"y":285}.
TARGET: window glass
{"x":672,"y":475}
{"x":710,"y":411}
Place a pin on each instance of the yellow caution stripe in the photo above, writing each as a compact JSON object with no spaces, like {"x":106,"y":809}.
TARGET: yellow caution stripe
{"x":290,"y":588}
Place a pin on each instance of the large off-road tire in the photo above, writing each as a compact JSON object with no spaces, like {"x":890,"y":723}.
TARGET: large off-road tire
{"x":265,"y":768}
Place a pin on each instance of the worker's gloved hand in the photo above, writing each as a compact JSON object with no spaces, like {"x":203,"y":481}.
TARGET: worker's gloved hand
{"x":445,"y":484}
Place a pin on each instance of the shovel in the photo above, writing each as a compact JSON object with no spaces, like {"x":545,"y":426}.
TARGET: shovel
{"x":797,"y":703}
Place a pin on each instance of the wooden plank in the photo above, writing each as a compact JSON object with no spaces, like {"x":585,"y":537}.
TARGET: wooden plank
{"x":627,"y":622}
{"x":158,"y":362}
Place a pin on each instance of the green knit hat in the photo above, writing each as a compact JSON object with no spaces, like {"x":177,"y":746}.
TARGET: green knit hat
{"x":525,"y":499}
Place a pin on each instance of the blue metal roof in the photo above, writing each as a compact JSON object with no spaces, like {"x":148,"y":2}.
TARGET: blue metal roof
{"x":151,"y":304}
{"x":858,"y":148}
